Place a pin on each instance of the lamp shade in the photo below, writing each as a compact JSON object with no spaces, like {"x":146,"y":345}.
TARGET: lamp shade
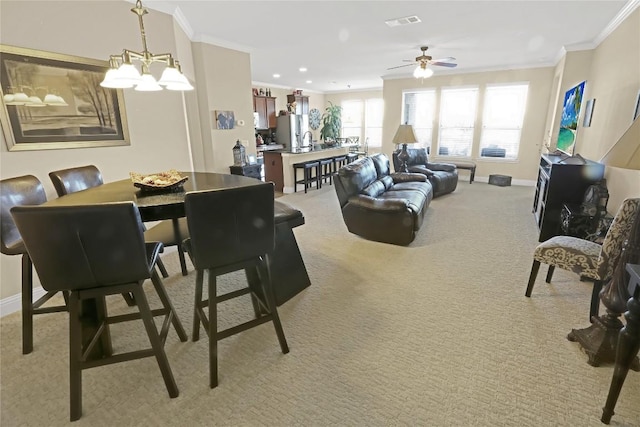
{"x":405,"y":135}
{"x":625,"y":153}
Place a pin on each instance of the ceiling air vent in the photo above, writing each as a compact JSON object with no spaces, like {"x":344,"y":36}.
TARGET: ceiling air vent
{"x":403,"y":21}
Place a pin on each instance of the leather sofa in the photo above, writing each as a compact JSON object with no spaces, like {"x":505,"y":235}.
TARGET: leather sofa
{"x":379,"y":205}
{"x":442,"y":176}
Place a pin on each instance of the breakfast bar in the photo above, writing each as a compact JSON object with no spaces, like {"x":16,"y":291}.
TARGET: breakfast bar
{"x":278,"y":164}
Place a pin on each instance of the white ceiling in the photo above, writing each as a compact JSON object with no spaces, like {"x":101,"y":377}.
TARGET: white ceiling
{"x":346,"y":45}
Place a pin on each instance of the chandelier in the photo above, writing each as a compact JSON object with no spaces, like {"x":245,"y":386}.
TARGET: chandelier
{"x":122,"y":74}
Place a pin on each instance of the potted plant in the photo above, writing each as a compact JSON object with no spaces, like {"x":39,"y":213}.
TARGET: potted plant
{"x":331,"y":124}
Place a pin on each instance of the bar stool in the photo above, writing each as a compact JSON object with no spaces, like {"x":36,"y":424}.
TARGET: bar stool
{"x":326,"y":170}
{"x":352,"y":157}
{"x":308,"y":178}
{"x":339,"y":161}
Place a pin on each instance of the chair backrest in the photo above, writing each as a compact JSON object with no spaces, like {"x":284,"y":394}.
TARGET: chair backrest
{"x":84,"y":246}
{"x":230,"y":226}
{"x":417,"y":156}
{"x":21,"y":190}
{"x":70,"y":180}
{"x":618,"y":232}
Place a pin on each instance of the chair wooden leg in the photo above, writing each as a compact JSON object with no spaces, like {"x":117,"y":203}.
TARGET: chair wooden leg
{"x":532,"y":277}
{"x":166,"y":302}
{"x":195,"y":333}
{"x":271,"y":301}
{"x":162,"y":268}
{"x":27,"y":304}
{"x":156,"y":343}
{"x":213,"y":331}
{"x":75,"y":356}
{"x":595,"y":300}
{"x":550,"y":273}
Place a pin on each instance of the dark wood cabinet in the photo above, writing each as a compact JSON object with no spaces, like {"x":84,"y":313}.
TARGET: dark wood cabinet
{"x":273,"y":169}
{"x":265,"y":106}
{"x":302,"y":103}
{"x":253,"y":171}
{"x":561,"y":180}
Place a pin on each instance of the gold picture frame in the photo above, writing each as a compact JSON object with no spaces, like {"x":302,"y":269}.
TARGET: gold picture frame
{"x":55,"y":101}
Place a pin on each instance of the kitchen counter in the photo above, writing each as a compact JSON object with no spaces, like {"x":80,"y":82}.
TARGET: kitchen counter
{"x":278,"y":164}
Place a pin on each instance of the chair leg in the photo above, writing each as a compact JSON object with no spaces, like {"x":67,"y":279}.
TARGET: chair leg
{"x":271,"y":301}
{"x":213,"y":331}
{"x":27,"y":304}
{"x":595,"y":300}
{"x":156,"y":343}
{"x":75,"y":356}
{"x":532,"y":277}
{"x":162,"y":268}
{"x":195,"y":333}
{"x":166,"y":302}
{"x":550,"y":273}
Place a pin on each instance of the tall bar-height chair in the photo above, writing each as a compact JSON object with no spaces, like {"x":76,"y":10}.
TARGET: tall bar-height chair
{"x":92,"y":251}
{"x":67,"y":181}
{"x":23,"y":190}
{"x":232,"y":230}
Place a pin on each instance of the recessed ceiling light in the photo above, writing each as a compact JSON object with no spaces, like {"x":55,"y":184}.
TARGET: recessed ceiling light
{"x":303,"y":69}
{"x":309,"y":81}
{"x":276,"y":76}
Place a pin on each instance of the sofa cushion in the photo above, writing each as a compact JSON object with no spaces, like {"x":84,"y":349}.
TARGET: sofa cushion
{"x":374,"y":189}
{"x":381,"y":163}
{"x":358,"y":175}
{"x":424,"y":187}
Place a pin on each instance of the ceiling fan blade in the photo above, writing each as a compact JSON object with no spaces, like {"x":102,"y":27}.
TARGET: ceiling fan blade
{"x":400,"y":66}
{"x":408,"y":60}
{"x":444,"y":64}
{"x":447,"y":59}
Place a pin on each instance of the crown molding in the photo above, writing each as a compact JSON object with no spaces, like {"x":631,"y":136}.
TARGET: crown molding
{"x":624,"y":13}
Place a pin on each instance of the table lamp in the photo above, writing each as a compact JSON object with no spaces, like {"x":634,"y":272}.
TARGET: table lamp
{"x":404,"y":135}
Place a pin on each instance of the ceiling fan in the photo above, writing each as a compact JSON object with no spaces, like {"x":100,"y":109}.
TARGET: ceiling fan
{"x":423,"y":60}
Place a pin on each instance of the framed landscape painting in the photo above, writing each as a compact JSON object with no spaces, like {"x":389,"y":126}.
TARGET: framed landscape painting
{"x":569,"y":120}
{"x":54,"y":101}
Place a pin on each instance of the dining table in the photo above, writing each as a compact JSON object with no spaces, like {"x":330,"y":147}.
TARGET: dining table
{"x":287,"y":267}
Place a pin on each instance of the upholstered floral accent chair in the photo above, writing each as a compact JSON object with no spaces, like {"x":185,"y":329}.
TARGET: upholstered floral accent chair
{"x":588,"y":259}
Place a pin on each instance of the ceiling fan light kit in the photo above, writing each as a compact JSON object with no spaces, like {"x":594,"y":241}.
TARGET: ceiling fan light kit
{"x":422,"y":71}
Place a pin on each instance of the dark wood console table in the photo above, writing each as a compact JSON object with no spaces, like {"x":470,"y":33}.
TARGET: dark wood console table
{"x":628,"y":343}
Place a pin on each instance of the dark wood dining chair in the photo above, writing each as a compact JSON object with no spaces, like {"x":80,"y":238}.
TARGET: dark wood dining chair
{"x":232,"y":230}
{"x":92,"y":251}
{"x":23,"y":190}
{"x":67,"y":181}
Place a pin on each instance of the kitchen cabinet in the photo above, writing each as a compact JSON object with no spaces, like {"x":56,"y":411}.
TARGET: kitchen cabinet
{"x":561,"y":179}
{"x":273,"y":169}
{"x":265,"y":106}
{"x":302,"y":103}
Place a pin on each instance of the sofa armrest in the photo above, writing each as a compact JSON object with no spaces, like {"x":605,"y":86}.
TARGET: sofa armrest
{"x":421,"y":169}
{"x":446,"y":167}
{"x":408,"y":177}
{"x":371,"y":203}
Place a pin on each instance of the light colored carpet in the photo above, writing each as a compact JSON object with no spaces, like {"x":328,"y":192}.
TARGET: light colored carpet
{"x":438,"y":333}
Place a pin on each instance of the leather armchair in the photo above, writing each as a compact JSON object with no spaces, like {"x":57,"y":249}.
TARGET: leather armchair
{"x":442,"y":176}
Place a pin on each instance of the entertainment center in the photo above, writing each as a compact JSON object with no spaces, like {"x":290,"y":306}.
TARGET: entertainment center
{"x":561,"y":179}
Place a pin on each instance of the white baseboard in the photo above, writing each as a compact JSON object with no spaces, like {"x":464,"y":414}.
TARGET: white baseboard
{"x":14,"y":302}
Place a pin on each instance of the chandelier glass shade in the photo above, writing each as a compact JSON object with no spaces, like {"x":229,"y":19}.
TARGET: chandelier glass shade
{"x":19,"y":97}
{"x":422,"y":72}
{"x":123,"y":74}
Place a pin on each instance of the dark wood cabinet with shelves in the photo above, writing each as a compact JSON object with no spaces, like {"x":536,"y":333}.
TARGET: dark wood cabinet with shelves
{"x":560,"y":181}
{"x":265,"y":106}
{"x":273,"y":169}
{"x":302,"y":103}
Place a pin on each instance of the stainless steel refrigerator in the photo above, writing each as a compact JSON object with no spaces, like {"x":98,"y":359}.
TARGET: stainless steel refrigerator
{"x":291,"y":131}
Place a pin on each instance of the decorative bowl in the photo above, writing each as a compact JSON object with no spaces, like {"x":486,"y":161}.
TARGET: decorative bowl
{"x":170,"y":180}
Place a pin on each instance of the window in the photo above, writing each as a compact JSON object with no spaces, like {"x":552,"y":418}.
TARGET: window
{"x":363,"y":118}
{"x":374,"y":111}
{"x":457,"y":117}
{"x":418,"y":110}
{"x":351,"y":118}
{"x":502,"y":119}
